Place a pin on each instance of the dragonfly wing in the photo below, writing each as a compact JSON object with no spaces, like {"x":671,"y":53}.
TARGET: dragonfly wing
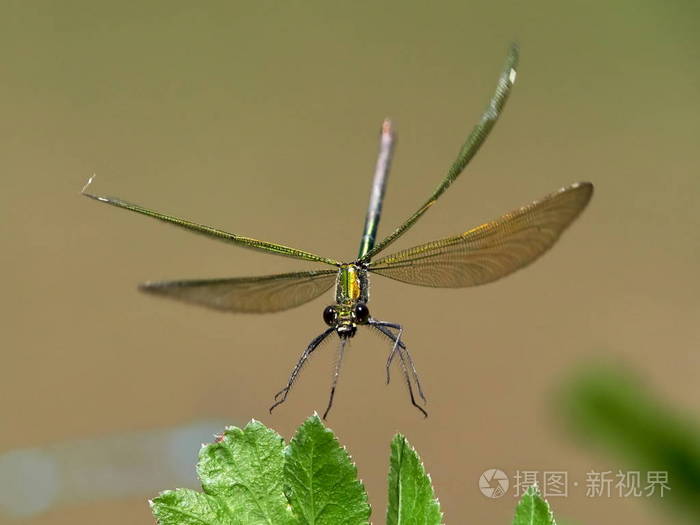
{"x":492,"y":250}
{"x":221,"y":235}
{"x":466,"y":153}
{"x":269,"y":293}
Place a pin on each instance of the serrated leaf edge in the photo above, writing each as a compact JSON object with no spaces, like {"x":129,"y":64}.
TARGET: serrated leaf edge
{"x":533,"y":491}
{"x":316,"y":419}
{"x":406,"y":442}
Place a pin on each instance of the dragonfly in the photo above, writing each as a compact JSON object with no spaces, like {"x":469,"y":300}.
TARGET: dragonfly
{"x":474,"y":257}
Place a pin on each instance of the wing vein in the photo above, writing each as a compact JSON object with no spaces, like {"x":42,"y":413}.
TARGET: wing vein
{"x":492,"y":250}
{"x":264,"y":294}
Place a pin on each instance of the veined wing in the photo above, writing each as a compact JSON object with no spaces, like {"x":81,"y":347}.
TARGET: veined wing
{"x":492,"y":250}
{"x":268,"y":293}
{"x":221,"y":235}
{"x":474,"y":141}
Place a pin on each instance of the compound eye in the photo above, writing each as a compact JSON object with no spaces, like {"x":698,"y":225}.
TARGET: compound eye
{"x":361,"y":313}
{"x":329,"y":315}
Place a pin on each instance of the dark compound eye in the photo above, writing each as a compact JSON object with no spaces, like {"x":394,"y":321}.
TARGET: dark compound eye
{"x":329,"y":315}
{"x":361,"y":313}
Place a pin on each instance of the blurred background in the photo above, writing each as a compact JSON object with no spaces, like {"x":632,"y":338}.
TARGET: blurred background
{"x":262,"y":118}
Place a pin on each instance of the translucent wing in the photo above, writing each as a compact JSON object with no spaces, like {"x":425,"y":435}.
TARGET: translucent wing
{"x":269,"y":293}
{"x":474,"y":141}
{"x":492,"y":250}
{"x":208,"y":231}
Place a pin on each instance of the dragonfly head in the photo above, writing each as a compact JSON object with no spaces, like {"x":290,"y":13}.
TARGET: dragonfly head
{"x":345,"y":318}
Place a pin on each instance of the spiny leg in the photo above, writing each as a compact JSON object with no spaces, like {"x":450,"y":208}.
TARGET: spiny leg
{"x":408,"y":383}
{"x":295,"y":372}
{"x":405,"y":358}
{"x":400,"y":348}
{"x":341,"y":351}
{"x":398,"y":345}
{"x":405,"y":354}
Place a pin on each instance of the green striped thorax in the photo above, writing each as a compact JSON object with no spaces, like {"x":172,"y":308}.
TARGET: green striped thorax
{"x":351,"y":296}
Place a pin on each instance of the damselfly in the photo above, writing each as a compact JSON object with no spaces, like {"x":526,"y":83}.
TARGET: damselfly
{"x":477,"y":256}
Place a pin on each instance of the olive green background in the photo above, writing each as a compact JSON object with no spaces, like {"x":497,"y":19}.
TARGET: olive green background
{"x":262,"y":118}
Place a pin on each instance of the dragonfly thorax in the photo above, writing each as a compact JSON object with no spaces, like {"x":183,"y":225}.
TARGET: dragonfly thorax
{"x":351,"y":285}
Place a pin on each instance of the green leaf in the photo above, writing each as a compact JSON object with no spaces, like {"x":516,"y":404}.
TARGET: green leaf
{"x":533,"y":510}
{"x":411,"y":496}
{"x":241,"y":476}
{"x":322,"y":484}
{"x":612,"y":408}
{"x":188,"y":507}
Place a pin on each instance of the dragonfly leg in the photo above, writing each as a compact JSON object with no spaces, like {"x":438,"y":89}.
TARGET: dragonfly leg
{"x":281,"y":396}
{"x":398,"y":344}
{"x":381,"y":326}
{"x":408,"y":383}
{"x":399,"y":347}
{"x":341,"y":352}
{"x":405,"y":359}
